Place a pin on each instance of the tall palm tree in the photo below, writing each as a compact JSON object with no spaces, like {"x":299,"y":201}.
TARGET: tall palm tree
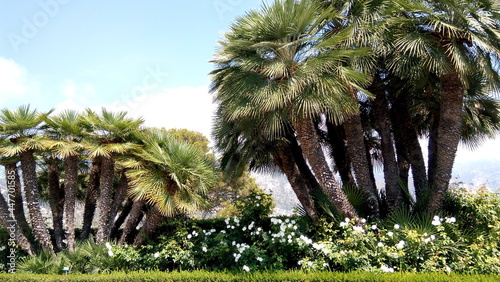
{"x":171,"y":175}
{"x":22,"y":127}
{"x":67,"y":135}
{"x":453,"y":40}
{"x":111,"y":132}
{"x":272,"y":63}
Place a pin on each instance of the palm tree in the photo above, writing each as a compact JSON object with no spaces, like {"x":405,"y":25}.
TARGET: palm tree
{"x":92,"y":193}
{"x":171,"y":175}
{"x":12,"y":176}
{"x":6,"y":221}
{"x":111,"y":132}
{"x":22,"y":127}
{"x":272,"y":63}
{"x":453,"y":40}
{"x":246,"y":145}
{"x":67,"y":136}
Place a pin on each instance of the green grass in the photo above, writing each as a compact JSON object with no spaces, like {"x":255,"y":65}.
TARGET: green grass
{"x":251,"y":276}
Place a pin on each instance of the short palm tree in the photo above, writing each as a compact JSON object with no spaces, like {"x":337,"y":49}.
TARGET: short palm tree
{"x":66,"y":135}
{"x":111,"y":133}
{"x":273,"y":63}
{"x":171,"y":175}
{"x":22,"y":127}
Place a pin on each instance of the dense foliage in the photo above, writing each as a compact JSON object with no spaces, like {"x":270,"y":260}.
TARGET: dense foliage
{"x":403,"y":243}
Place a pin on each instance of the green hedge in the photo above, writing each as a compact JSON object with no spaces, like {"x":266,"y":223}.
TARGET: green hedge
{"x":254,"y":276}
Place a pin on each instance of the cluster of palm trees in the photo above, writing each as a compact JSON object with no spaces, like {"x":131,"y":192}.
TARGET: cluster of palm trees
{"x":107,"y":160}
{"x":315,"y":88}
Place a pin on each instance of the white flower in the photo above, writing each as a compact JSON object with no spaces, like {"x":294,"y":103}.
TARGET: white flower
{"x":189,"y":236}
{"x":310,"y":263}
{"x":300,"y":262}
{"x":448,"y":269}
{"x":246,"y":268}
{"x":363,"y":220}
{"x":390,"y":233}
{"x":226,"y":221}
{"x":433,"y":237}
{"x":385,"y":268}
{"x":374,"y":227}
{"x":204,"y":249}
{"x":436,"y":221}
{"x":451,"y":220}
{"x":400,"y":245}
{"x":358,"y":229}
{"x":325,"y":264}
{"x":244,"y":228}
{"x":380,"y":244}
{"x":347,"y":219}
{"x":396,"y":226}
{"x":259,"y":259}
{"x":318,"y":246}
{"x":156,"y":255}
{"x":110,"y":253}
{"x":343,"y":224}
{"x":108,"y":245}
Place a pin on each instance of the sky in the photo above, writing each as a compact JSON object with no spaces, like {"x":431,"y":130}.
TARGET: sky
{"x":149,"y":58}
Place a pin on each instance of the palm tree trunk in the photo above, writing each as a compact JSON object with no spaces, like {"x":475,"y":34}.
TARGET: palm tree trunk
{"x":311,"y":147}
{"x":153,"y":219}
{"x":91,"y":198}
{"x":127,"y":208}
{"x":383,"y":123}
{"x":119,"y":197}
{"x":299,"y":184}
{"x":28,"y":166}
{"x":56,"y":202}
{"x":71,"y":186}
{"x":12,"y":176}
{"x":448,"y":136}
{"x":105,"y":198}
{"x":336,"y":138}
{"x":405,"y":130}
{"x":360,"y":163}
{"x":133,"y":220}
{"x":9,"y":222}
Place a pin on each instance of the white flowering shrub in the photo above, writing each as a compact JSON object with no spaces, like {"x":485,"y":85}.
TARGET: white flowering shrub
{"x":241,"y":244}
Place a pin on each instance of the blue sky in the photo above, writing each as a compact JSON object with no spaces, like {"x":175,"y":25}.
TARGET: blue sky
{"x":73,"y":53}
{"x":149,"y":58}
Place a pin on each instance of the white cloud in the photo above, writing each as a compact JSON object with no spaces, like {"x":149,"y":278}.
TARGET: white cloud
{"x":186,"y":107}
{"x":489,"y":150}
{"x":12,"y":79}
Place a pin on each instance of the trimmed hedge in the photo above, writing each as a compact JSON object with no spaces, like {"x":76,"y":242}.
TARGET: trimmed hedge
{"x":251,"y":276}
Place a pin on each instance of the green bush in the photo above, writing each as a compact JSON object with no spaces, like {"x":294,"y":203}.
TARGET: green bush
{"x":254,"y":276}
{"x":404,"y":242}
